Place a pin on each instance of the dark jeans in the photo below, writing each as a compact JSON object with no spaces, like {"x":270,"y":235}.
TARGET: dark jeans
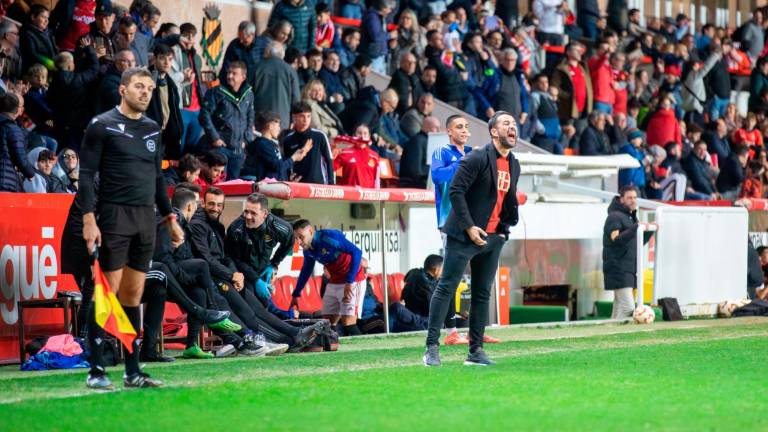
{"x":588,"y":24}
{"x":234,"y":162}
{"x":483,"y":261}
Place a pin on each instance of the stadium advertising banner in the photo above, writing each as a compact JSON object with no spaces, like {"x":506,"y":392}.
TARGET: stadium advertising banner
{"x":30,"y":258}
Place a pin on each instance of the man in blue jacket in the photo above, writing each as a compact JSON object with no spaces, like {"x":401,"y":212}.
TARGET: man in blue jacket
{"x":374,"y":34}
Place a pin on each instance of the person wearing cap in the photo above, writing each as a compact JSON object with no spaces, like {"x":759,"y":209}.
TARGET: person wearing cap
{"x":241,"y":49}
{"x":300,"y":13}
{"x":634,"y":148}
{"x":101,"y":32}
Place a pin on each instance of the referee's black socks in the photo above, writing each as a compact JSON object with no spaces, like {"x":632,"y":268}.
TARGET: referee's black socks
{"x":132,"y":359}
{"x":95,"y":339}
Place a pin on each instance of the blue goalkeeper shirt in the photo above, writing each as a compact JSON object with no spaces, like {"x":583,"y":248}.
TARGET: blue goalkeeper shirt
{"x":339,"y":256}
{"x":445,"y":161}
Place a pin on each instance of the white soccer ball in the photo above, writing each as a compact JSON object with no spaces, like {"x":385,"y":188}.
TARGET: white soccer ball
{"x":644,"y":314}
{"x":725,"y":309}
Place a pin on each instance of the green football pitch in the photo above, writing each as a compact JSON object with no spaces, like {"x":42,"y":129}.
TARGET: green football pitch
{"x":694,"y":375}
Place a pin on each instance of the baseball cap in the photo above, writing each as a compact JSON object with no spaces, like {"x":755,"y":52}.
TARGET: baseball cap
{"x":104,"y":8}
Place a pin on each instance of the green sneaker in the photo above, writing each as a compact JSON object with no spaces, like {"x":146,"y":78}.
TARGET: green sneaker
{"x":195,"y":352}
{"x":226,"y":324}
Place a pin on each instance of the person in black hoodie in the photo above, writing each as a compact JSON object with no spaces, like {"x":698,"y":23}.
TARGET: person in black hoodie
{"x":620,"y":251}
{"x":69,"y":97}
{"x":37,"y":43}
{"x":420,"y":284}
{"x":165,"y":105}
{"x":263,"y":158}
{"x":732,"y":171}
{"x":317,"y":166}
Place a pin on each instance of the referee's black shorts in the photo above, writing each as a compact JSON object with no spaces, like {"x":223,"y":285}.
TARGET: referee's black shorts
{"x":127,"y":236}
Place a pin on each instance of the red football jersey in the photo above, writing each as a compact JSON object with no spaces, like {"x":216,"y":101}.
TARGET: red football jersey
{"x":359,"y":167}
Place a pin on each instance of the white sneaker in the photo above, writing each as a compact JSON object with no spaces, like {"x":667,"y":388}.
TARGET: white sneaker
{"x":228,"y":350}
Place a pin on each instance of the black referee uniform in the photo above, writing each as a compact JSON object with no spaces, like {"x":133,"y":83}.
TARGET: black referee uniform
{"x":127,"y":154}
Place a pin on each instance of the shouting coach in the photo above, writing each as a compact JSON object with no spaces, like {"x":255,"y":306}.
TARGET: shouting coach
{"x":484,"y":199}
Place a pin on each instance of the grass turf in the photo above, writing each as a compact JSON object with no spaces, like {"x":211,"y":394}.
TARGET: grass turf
{"x":687,"y":376}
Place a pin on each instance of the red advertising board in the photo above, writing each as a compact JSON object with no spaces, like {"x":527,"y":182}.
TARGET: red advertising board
{"x":30,"y":258}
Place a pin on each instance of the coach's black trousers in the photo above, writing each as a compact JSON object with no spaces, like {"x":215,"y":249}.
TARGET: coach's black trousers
{"x":483,"y":261}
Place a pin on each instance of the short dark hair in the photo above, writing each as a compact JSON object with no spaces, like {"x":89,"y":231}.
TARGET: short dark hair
{"x":237,"y":64}
{"x":349,"y":31}
{"x":214,"y":158}
{"x":361,"y":61}
{"x":213,"y":190}
{"x":182,"y":197}
{"x":495,"y":119}
{"x":36,"y":9}
{"x":260,"y":199}
{"x":300,"y":108}
{"x":301,"y":224}
{"x":194,"y":187}
{"x":761,"y":249}
{"x":327,"y":53}
{"x":742,"y":150}
{"x":451,"y":118}
{"x":187,"y":28}
{"x":430,"y":34}
{"x":264,"y":118}
{"x":291,"y":54}
{"x":322,"y":8}
{"x":129,"y":73}
{"x":162,"y":50}
{"x":432,"y":262}
{"x":126,"y":21}
{"x":628,"y":188}
{"x":9,"y":103}
{"x":189,"y":163}
{"x":693,"y":128}
{"x":314,"y":52}
{"x":150,"y":10}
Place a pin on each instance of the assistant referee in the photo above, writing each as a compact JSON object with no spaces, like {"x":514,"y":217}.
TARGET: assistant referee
{"x":483,"y":196}
{"x":122,"y":148}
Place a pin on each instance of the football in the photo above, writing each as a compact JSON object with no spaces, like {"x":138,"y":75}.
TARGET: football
{"x":643,"y":314}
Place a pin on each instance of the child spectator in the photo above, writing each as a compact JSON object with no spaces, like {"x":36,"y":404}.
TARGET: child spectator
{"x":325,"y":32}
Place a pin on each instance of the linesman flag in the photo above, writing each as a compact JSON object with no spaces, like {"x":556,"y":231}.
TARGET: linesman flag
{"x":109,"y":314}
{"x":212,"y":42}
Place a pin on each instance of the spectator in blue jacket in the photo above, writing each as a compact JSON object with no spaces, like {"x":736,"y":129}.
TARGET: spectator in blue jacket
{"x":13,"y":156}
{"x":374,"y":34}
{"x":300,"y":13}
{"x":634,"y":147}
{"x":347,"y":49}
{"x":445,"y":162}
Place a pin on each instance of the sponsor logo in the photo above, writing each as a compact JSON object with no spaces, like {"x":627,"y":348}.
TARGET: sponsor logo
{"x":326,"y":192}
{"x":419,"y":196}
{"x":151,"y":146}
{"x":29,"y":272}
{"x":374,"y":195}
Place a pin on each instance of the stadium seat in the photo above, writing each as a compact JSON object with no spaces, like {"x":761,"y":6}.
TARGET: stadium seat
{"x":395,"y":282}
{"x":283,"y":290}
{"x":376,"y":282}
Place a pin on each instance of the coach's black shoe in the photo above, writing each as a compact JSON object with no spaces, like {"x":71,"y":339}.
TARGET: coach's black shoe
{"x":155,"y":357}
{"x":308,"y":334}
{"x":432,"y":356}
{"x":98,"y":379}
{"x":478,"y":358}
{"x":140,"y":380}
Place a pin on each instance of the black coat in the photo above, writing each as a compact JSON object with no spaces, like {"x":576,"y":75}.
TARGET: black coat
{"x":251,"y":249}
{"x":263,"y":159}
{"x":697,"y":171}
{"x":175,"y":127}
{"x":351,"y":82}
{"x":417,"y":292}
{"x":207,"y":239}
{"x":166,"y":254}
{"x":13,"y":155}
{"x":473,"y":194}
{"x":593,"y":142}
{"x":414,"y":170}
{"x":108,"y":95}
{"x":69,"y":97}
{"x":406,"y":86}
{"x":731,"y":174}
{"x":311,"y":167}
{"x":37,"y":47}
{"x":620,"y":254}
{"x":236,"y":51}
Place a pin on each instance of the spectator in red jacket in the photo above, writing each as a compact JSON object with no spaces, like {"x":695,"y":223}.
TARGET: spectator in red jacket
{"x":213,"y":169}
{"x":359,"y":164}
{"x":602,"y":78}
{"x":753,"y":184}
{"x":748,"y":134}
{"x":663,"y":126}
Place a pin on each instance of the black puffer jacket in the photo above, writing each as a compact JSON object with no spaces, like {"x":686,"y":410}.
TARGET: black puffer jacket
{"x":12,"y":155}
{"x":620,"y":254}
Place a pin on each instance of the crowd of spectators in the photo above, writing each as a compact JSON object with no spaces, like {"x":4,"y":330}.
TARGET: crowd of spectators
{"x":292,"y":103}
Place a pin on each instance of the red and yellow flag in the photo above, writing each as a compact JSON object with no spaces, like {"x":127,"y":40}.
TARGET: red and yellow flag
{"x":109,"y":314}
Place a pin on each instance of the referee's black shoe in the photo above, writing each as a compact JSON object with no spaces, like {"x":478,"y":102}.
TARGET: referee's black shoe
{"x":140,"y":380}
{"x":155,"y":357}
{"x":98,"y":379}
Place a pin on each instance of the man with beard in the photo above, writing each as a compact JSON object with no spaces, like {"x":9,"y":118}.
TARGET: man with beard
{"x":484,"y":199}
{"x":121,"y":146}
{"x":208,"y":243}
